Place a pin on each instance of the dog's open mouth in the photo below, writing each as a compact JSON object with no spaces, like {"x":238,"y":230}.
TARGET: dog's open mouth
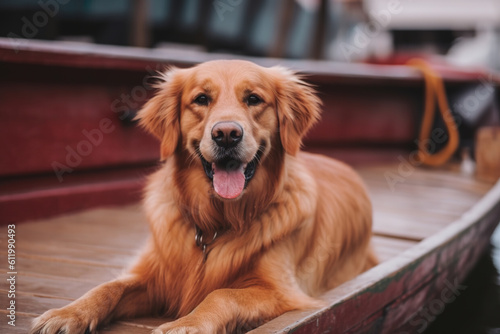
{"x":230,"y":176}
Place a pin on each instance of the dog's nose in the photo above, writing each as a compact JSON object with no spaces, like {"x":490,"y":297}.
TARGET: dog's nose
{"x":227,"y":134}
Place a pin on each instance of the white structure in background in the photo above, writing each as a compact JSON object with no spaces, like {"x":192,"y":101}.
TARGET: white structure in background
{"x":440,"y":14}
{"x":373,"y":38}
{"x":483,"y":49}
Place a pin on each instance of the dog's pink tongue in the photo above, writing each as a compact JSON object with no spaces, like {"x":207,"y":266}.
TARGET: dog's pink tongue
{"x":229,"y":183}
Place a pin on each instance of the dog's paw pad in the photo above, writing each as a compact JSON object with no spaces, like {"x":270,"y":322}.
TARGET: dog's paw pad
{"x":59,"y":321}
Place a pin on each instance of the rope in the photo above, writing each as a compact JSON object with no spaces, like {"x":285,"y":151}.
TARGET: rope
{"x":434,"y":89}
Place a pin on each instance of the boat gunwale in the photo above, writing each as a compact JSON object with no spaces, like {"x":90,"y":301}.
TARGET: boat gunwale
{"x":488,"y":207}
{"x":123,"y":57}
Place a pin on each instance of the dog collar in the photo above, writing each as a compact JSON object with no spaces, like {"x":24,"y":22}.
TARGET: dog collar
{"x":198,"y":238}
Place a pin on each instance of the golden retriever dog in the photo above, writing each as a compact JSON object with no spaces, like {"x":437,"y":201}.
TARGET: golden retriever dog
{"x":244,"y":226}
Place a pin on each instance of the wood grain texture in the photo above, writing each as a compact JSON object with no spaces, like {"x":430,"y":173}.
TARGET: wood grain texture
{"x":61,"y":258}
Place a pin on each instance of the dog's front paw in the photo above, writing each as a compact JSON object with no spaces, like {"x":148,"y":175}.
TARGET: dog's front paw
{"x":177,"y":330}
{"x":65,"y":321}
{"x":183,"y":326}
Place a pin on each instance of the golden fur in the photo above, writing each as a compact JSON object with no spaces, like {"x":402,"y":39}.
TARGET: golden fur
{"x":300,"y":227}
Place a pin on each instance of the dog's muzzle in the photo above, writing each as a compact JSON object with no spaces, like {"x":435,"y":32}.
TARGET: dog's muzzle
{"x":229,"y":174}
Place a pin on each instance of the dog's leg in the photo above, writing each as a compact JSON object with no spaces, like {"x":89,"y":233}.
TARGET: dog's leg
{"x":119,"y":298}
{"x":233,"y":311}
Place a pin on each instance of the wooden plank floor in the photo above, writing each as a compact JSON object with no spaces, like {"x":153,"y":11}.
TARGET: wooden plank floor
{"x":59,"y":259}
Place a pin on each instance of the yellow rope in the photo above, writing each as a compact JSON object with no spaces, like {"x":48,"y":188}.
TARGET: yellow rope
{"x":434,"y":89}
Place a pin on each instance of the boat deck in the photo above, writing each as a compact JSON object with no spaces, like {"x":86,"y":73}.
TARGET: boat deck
{"x":59,"y":259}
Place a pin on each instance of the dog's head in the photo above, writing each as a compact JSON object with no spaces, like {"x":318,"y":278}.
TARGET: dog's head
{"x":229,"y":116}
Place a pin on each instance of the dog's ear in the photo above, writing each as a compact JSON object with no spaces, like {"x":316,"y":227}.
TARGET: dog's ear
{"x":298,"y":108}
{"x":161,"y":114}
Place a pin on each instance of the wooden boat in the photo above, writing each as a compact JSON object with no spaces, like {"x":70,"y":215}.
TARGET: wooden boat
{"x":430,"y":225}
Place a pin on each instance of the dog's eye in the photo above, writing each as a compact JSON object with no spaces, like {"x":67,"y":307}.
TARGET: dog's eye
{"x":254,"y":100}
{"x":202,"y":100}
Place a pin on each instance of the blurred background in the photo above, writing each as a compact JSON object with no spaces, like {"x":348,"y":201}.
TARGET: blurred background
{"x":466,"y":32}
